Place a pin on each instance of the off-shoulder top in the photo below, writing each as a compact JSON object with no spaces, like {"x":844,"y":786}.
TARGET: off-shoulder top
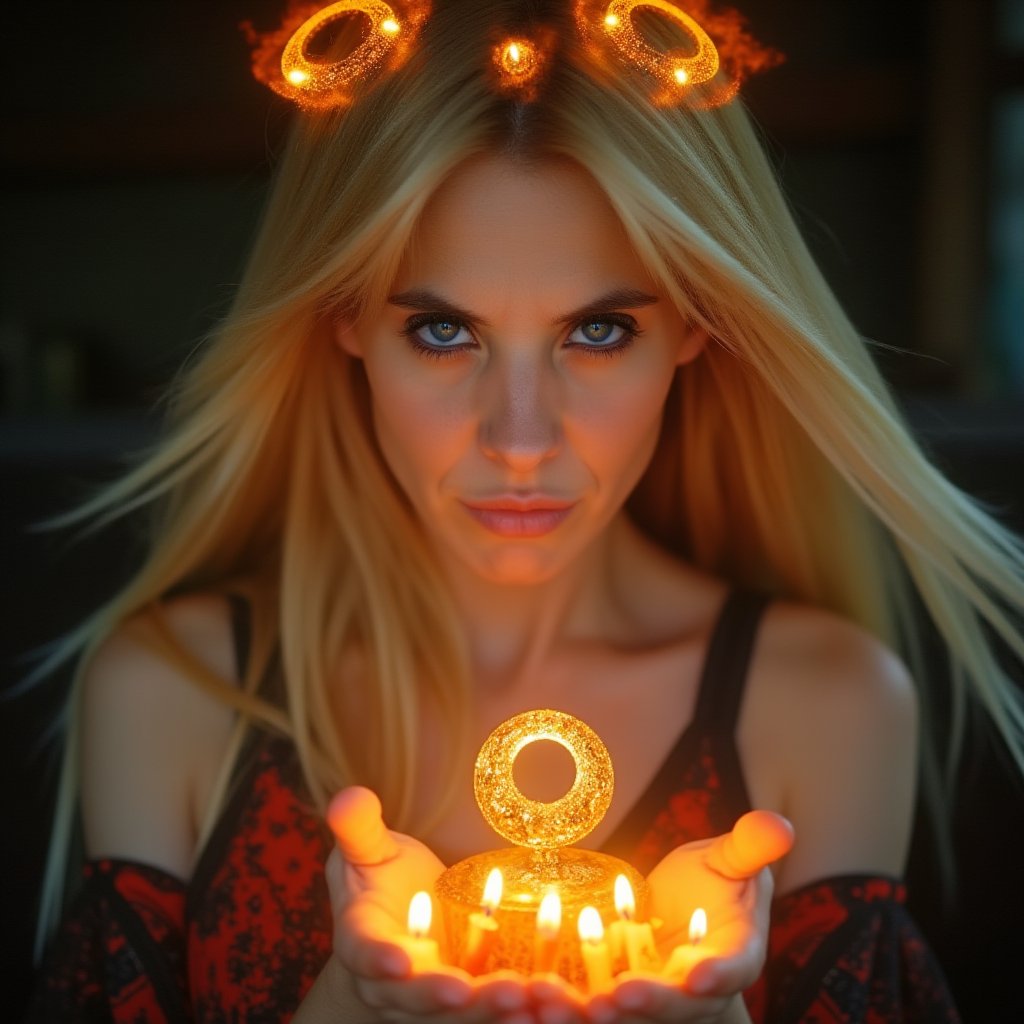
{"x":246,"y":936}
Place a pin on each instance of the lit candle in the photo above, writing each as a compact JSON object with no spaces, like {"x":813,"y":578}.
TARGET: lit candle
{"x":634,"y":939}
{"x":483,"y":929}
{"x":594,"y":950}
{"x":685,"y":958}
{"x":422,"y":950}
{"x":549,"y":924}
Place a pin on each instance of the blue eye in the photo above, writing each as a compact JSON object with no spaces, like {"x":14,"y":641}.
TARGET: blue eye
{"x":443,"y":332}
{"x":607,"y":336}
{"x":599,"y":332}
{"x":437,"y":335}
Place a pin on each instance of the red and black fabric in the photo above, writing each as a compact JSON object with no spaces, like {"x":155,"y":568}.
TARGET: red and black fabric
{"x":248,"y":936}
{"x":120,"y":955}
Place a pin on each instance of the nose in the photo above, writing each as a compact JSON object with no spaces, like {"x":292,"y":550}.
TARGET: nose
{"x":520,"y":422}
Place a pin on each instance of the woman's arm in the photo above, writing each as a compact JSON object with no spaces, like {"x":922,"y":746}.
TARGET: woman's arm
{"x":150,"y":735}
{"x":845,"y":739}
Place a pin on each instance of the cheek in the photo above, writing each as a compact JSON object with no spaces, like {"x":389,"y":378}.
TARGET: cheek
{"x":621,"y":420}
{"x":420,"y":433}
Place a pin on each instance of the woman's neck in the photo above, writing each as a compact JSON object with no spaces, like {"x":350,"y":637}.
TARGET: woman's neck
{"x":513,"y":631}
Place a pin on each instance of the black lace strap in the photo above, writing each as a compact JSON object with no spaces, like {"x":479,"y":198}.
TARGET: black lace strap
{"x":241,"y":632}
{"x":724,"y":678}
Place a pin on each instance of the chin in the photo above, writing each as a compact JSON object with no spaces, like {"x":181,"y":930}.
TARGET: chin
{"x":518,"y":567}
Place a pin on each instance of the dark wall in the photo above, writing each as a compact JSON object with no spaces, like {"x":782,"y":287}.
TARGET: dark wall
{"x":132,"y":179}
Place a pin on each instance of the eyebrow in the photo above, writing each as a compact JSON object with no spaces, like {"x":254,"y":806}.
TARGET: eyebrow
{"x":424,"y":300}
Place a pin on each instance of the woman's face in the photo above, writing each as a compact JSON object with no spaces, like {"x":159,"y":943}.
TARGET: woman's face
{"x":519,"y":369}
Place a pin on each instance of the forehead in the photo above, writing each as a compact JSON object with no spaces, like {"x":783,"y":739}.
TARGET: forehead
{"x":499,"y":223}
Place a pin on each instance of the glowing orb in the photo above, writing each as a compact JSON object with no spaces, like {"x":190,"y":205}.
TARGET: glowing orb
{"x":533,"y":823}
{"x":701,"y":67}
{"x":518,"y":63}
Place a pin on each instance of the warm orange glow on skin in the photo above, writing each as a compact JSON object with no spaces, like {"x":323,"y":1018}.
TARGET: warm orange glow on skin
{"x":758,"y":839}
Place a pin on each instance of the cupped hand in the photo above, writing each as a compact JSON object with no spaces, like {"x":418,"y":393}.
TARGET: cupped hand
{"x":729,"y":878}
{"x":372,"y":874}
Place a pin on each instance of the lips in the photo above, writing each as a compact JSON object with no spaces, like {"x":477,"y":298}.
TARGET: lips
{"x":508,"y":516}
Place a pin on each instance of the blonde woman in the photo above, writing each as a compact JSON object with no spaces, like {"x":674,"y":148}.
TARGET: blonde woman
{"x":531,"y":397}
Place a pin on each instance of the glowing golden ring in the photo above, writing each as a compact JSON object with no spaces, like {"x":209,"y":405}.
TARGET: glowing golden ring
{"x":318,"y":80}
{"x":701,"y":67}
{"x":527,"y":822}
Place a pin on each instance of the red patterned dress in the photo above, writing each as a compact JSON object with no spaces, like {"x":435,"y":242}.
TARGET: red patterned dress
{"x":245,"y":938}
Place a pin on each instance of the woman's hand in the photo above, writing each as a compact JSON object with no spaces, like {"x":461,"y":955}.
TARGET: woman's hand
{"x":372,"y":874}
{"x":729,"y":878}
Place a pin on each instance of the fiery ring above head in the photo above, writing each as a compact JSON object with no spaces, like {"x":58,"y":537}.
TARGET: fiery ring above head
{"x":281,"y":58}
{"x":681,"y":71}
{"x":532,"y":823}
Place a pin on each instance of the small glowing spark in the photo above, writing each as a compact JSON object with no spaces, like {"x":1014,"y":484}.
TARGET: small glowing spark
{"x":390,"y":26}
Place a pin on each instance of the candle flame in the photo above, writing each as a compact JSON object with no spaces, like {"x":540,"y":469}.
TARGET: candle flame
{"x":625,"y":903}
{"x":492,"y":890}
{"x":590,"y":926}
{"x":420,"y":912}
{"x":698,"y":925}
{"x":549,"y":915}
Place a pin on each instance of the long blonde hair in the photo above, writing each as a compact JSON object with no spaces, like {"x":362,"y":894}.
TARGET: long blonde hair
{"x":784,"y":463}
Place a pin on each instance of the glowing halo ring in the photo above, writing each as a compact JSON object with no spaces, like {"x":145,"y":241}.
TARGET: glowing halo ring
{"x":317,"y":82}
{"x":677,"y":71}
{"x":533,"y":823}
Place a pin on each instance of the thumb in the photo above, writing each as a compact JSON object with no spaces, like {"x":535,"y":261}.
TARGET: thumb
{"x":758,"y":839}
{"x":355,"y":817}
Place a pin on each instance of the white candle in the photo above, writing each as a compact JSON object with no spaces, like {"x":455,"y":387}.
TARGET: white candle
{"x":594,"y":950}
{"x":483,"y":928}
{"x":549,"y":924}
{"x":628,"y":937}
{"x":684,"y":958}
{"x":422,"y":950}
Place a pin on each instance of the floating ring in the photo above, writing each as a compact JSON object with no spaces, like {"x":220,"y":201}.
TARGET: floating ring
{"x":317,"y":83}
{"x":678,"y":71}
{"x":533,"y":823}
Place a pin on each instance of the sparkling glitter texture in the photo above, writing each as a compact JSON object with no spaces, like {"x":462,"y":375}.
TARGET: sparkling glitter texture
{"x":671,"y":70}
{"x":528,"y":822}
{"x":581,"y":878}
{"x":317,"y":84}
{"x":540,"y":861}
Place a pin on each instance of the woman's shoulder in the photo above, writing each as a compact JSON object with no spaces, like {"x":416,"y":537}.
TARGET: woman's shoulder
{"x":150,"y":733}
{"x":835,"y":713}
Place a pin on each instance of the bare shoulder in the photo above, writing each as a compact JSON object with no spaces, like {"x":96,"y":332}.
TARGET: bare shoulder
{"x":147,"y":733}
{"x":837,"y":714}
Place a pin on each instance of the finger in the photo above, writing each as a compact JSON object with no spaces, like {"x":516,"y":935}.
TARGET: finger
{"x":435,"y":993}
{"x":656,"y":1000}
{"x":758,"y":839}
{"x":502,"y":991}
{"x":356,"y":819}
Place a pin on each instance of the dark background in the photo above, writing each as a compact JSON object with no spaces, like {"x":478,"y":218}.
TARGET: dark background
{"x":134,"y":153}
